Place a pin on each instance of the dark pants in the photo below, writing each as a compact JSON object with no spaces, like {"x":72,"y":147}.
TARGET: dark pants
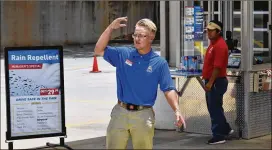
{"x":214,"y":99}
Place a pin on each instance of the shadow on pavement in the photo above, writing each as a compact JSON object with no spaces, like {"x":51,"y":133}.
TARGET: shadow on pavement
{"x":169,"y":139}
{"x":161,"y":137}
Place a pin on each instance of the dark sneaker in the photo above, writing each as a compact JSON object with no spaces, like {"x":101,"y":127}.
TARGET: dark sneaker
{"x":216,"y":141}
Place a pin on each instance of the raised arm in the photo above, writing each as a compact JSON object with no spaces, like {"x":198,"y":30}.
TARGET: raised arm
{"x":105,"y":36}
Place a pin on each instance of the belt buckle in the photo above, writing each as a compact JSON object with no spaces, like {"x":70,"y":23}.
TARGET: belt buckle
{"x":131,"y":107}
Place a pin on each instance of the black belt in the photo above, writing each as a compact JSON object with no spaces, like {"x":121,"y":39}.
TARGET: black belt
{"x":216,"y":78}
{"x":132,"y":106}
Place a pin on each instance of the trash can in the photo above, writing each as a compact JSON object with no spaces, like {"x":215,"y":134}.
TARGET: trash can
{"x":164,"y":115}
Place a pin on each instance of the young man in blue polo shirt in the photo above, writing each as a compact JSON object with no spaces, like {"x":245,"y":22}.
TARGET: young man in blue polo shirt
{"x":139,"y":71}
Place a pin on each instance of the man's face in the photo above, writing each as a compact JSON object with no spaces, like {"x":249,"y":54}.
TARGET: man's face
{"x":212,"y":34}
{"x":142,"y":37}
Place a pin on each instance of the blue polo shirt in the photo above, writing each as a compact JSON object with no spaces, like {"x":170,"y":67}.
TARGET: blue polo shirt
{"x":138,"y":76}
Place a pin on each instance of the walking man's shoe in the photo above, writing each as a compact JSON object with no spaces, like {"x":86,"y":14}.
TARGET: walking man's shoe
{"x":214,"y":141}
{"x":231,"y":132}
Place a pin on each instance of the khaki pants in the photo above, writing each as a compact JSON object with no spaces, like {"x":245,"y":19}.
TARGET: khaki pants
{"x":137,"y":124}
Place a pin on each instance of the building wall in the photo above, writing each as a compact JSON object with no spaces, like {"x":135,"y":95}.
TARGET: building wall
{"x":26,"y":23}
{"x":259,"y":114}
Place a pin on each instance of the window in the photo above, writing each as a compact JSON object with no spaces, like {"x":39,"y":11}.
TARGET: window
{"x":237,"y":6}
{"x":215,"y":5}
{"x":261,"y":5}
{"x":236,"y":20}
{"x":261,"y":20}
{"x":258,"y":5}
{"x":236,"y":35}
{"x":261,"y":40}
{"x":205,"y":38}
{"x":215,"y":16}
{"x":205,"y":5}
{"x":197,"y":3}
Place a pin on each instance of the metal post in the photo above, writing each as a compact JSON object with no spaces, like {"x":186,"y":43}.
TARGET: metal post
{"x":10,"y":145}
{"x":1,"y":26}
{"x":188,"y":47}
{"x":62,"y":141}
{"x":174,"y":33}
{"x":246,"y":58}
{"x":230,"y":8}
{"x":210,"y":12}
{"x":220,"y":15}
{"x":178,"y":34}
{"x":182,"y":28}
{"x":269,"y":28}
{"x":81,"y":30}
{"x":163,"y":29}
{"x":226,"y":17}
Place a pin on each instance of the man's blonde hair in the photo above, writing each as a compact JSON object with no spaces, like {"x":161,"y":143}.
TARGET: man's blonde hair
{"x":149,"y":24}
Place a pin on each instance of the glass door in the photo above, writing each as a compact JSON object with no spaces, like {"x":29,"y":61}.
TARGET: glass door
{"x":261,"y":15}
{"x":261,"y":32}
{"x":212,"y":11}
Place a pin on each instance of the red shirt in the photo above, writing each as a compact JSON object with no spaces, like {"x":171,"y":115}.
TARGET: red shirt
{"x":216,"y":57}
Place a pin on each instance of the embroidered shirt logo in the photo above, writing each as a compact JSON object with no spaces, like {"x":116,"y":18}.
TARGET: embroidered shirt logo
{"x":149,"y":69}
{"x":128,"y":62}
{"x":210,"y":50}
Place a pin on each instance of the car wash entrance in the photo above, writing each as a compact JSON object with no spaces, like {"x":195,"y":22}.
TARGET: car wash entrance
{"x":247,"y":31}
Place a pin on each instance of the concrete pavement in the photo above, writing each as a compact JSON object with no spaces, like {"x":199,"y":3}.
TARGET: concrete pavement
{"x":89,"y":99}
{"x":165,"y":139}
{"x":87,"y":107}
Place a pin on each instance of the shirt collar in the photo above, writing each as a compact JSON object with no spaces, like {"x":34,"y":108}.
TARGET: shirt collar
{"x":146,"y":56}
{"x":215,"y":41}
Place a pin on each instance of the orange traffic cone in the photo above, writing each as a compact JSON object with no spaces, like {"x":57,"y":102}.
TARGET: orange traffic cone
{"x":95,"y":66}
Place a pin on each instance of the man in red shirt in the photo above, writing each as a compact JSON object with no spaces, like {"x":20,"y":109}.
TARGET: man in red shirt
{"x":214,"y":73}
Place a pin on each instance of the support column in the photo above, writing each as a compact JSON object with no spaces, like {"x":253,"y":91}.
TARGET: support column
{"x":163,"y":29}
{"x":230,"y":15}
{"x":270,"y":29}
{"x":247,"y":57}
{"x":188,"y":46}
{"x":174,"y":33}
{"x":220,"y":15}
{"x":181,"y":29}
{"x":1,"y":27}
{"x":164,"y":112}
{"x":226,"y":17}
{"x":210,"y":10}
{"x":210,"y":13}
